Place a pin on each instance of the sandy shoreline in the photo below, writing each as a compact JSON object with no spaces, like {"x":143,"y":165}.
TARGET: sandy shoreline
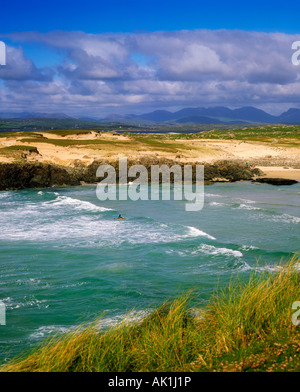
{"x":280,"y":172}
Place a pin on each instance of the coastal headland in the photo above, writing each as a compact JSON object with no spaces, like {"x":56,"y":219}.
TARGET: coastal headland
{"x":71,"y":157}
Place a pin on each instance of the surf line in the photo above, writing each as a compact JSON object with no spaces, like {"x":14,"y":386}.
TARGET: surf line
{"x":186,"y":185}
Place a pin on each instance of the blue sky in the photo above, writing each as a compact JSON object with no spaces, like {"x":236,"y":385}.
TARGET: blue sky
{"x":94,"y":16}
{"x":99,"y":57}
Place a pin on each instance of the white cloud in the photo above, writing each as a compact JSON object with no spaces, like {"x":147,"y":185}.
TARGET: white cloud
{"x":184,"y":68}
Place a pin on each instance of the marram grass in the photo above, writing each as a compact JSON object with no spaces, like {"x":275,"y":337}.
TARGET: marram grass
{"x":244,"y":327}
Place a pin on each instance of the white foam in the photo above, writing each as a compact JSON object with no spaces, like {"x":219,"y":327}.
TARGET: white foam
{"x":270,"y":268}
{"x":3,"y":194}
{"x":45,"y":330}
{"x":248,"y":247}
{"x":122,"y":319}
{"x":290,"y":218}
{"x":134,"y":317}
{"x":207,"y":194}
{"x":285,"y":218}
{"x":212,"y":250}
{"x":245,"y":267}
{"x":92,"y":231}
{"x":276,"y":268}
{"x":246,"y":201}
{"x":215,"y":203}
{"x":177,"y":252}
{"x":247,"y":207}
{"x":77,"y":204}
{"x":27,"y":301}
{"x":194,"y":232}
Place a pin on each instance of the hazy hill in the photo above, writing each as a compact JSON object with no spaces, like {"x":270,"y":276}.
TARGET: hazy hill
{"x":201,"y":115}
{"x":211,"y":115}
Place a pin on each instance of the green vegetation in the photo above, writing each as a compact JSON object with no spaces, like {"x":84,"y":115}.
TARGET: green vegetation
{"x":18,"y":134}
{"x":184,"y":128}
{"x":67,"y":132}
{"x":174,"y":143}
{"x":70,"y":142}
{"x":280,"y":134}
{"x":36,"y":123}
{"x":271,"y":133}
{"x":136,"y":142}
{"x":156,"y":142}
{"x":21,"y":148}
{"x":267,"y":133}
{"x":18,"y":152}
{"x":245,"y":327}
{"x":43,"y":123}
{"x":69,"y":126}
{"x":73,"y":123}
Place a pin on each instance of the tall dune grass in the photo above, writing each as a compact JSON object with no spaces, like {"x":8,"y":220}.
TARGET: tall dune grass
{"x":246,"y":326}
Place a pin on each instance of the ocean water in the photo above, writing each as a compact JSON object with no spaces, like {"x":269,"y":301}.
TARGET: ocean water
{"x":66,"y":259}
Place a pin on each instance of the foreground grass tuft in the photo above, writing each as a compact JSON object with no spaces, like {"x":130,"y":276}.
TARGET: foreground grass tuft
{"x":245,"y":327}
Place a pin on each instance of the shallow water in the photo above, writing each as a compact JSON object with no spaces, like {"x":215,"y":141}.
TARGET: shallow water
{"x":65,"y":258}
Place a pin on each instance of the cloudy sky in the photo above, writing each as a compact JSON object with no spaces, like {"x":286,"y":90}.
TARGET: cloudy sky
{"x":93,"y":58}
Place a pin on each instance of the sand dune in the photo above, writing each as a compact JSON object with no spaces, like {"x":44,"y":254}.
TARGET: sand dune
{"x":274,"y":160}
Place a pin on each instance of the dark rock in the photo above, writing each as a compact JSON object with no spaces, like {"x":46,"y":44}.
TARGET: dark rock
{"x":37,"y":175}
{"x":275,"y":181}
{"x":229,"y":170}
{"x":32,"y":175}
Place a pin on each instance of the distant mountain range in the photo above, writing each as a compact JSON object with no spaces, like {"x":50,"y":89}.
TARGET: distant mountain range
{"x":201,"y":115}
{"x":33,"y":115}
{"x":212,"y":115}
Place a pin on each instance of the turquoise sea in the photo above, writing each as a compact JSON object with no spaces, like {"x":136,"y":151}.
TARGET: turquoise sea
{"x":66,"y":259}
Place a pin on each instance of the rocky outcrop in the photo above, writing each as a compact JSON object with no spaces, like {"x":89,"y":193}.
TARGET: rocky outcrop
{"x":220,"y":171}
{"x":38,"y":175}
{"x":275,"y":181}
{"x":33,"y":175}
{"x":230,"y":171}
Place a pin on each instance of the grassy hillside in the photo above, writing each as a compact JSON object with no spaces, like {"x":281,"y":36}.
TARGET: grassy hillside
{"x":32,"y":124}
{"x":244,"y":327}
{"x":54,"y":123}
{"x":271,"y":133}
